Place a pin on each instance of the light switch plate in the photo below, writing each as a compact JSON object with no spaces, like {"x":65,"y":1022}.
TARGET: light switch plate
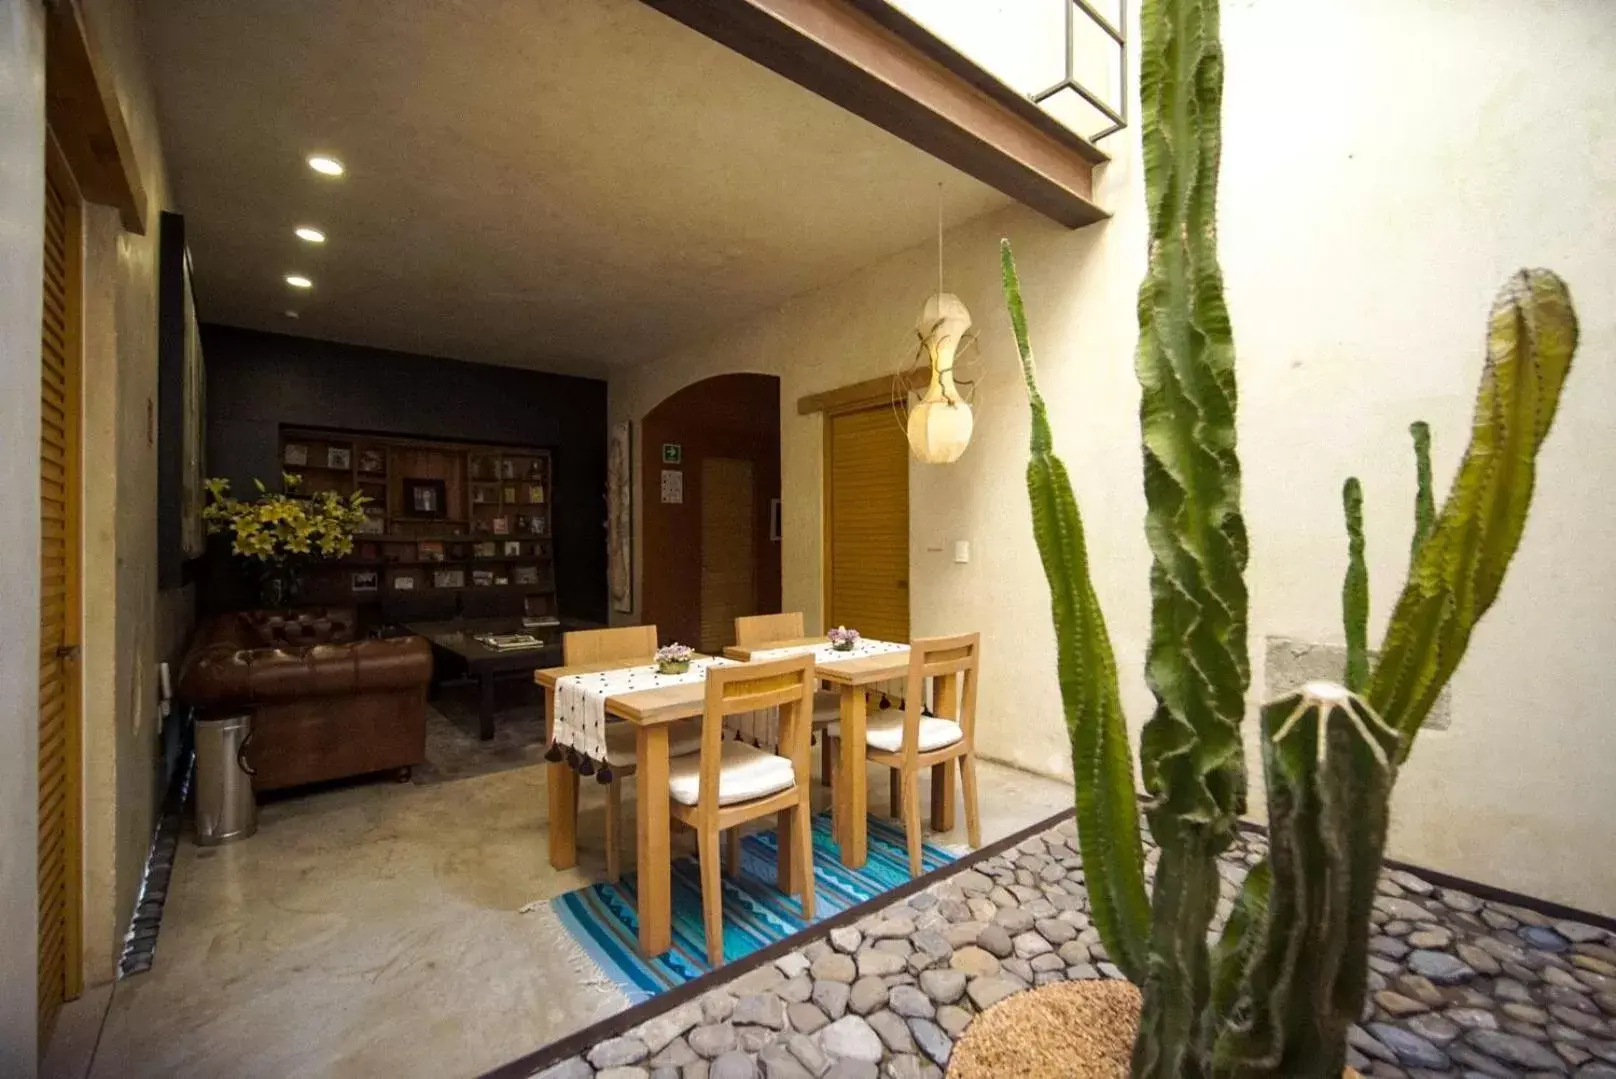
{"x":962,"y":551}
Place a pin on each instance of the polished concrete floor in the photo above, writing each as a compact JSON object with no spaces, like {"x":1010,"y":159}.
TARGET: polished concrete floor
{"x":378,"y":930}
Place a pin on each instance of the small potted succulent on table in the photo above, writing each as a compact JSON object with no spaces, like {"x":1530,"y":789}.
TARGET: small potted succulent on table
{"x":674,"y":658}
{"x":843,"y":639}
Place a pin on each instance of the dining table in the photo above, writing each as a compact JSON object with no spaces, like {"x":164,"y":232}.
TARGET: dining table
{"x":652,"y":712}
{"x":854,"y":677}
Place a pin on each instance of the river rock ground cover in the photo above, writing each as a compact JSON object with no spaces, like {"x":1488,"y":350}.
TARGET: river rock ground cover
{"x":1459,"y":985}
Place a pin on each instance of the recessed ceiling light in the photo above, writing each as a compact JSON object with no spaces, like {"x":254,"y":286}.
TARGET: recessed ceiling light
{"x":289,"y":313}
{"x":326,"y":166}
{"x":312,"y":235}
{"x":297,"y":280}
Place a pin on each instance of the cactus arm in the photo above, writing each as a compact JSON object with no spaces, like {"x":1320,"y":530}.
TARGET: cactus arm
{"x":1102,"y":763}
{"x":1355,"y":589}
{"x":1328,"y":762}
{"x":1456,"y":574}
{"x":1424,"y":501}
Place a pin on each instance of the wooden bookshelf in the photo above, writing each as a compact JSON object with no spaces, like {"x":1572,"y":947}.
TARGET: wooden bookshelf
{"x":442,"y":517}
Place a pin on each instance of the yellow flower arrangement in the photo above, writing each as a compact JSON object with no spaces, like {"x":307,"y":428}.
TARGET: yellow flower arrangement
{"x":281,"y":527}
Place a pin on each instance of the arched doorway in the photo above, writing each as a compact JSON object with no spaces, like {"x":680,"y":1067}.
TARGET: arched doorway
{"x":710,"y":455}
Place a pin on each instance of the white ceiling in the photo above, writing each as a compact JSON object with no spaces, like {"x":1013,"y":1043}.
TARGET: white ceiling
{"x":557,"y":184}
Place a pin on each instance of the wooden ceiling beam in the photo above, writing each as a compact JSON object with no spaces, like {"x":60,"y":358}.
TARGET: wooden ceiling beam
{"x":81,"y":106}
{"x":879,"y":64}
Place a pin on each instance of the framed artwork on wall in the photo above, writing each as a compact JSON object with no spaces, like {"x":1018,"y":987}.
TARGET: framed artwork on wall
{"x":620,"y":516}
{"x":425,"y":498}
{"x":180,"y":409}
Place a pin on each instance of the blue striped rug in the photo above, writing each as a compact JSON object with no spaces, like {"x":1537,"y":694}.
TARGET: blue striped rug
{"x":602,"y":919}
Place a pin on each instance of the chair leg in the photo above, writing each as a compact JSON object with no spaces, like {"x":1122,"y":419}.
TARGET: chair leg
{"x":614,"y":827}
{"x":827,"y":760}
{"x":803,"y":863}
{"x":712,"y":896}
{"x":911,"y":819}
{"x":973,"y":822}
{"x":895,"y":806}
{"x":732,"y":853}
{"x":835,"y":798}
{"x":785,"y":866}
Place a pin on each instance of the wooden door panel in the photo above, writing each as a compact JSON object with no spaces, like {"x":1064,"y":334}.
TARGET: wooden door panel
{"x":59,"y":718}
{"x":728,"y":561}
{"x":867,"y":524}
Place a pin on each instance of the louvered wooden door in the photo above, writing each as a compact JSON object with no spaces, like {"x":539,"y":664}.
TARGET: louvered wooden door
{"x":728,"y":560}
{"x":867,"y":524}
{"x":59,"y":733}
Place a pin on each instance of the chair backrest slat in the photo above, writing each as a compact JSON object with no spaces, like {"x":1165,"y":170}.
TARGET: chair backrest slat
{"x":787,"y":684}
{"x":756,"y":629}
{"x":631,"y":644}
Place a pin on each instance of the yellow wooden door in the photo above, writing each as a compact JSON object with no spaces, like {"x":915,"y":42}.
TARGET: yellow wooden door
{"x":867,"y":524}
{"x":59,"y":732}
{"x":728,"y":561}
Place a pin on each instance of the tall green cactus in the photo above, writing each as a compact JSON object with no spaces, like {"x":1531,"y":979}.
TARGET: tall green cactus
{"x":1276,"y":996}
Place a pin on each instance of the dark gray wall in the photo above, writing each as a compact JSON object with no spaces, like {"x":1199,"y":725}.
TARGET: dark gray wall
{"x":257,"y":382}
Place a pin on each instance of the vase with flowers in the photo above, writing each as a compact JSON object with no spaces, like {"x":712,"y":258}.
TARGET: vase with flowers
{"x":674,"y":658}
{"x":843,"y":639}
{"x":279,"y":533}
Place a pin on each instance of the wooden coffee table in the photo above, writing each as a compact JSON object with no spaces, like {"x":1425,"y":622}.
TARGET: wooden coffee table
{"x":458,"y":638}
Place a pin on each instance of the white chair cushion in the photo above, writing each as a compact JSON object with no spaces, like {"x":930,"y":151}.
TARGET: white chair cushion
{"x":884,"y":731}
{"x":620,"y":748}
{"x":744,"y":772}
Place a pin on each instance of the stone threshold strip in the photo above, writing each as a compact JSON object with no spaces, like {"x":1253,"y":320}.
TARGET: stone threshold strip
{"x":1460,"y":985}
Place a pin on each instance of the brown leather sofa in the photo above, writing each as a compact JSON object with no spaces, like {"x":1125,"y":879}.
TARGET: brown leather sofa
{"x":325,"y":703}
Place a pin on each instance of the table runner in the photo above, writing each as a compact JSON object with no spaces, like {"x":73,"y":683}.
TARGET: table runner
{"x":763,"y":728}
{"x":580,"y":706}
{"x":825,"y":652}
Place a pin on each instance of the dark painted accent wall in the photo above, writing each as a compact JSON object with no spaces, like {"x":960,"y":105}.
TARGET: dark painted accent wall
{"x":259,"y":381}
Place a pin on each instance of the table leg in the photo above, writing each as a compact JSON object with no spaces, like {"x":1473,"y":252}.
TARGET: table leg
{"x":485,"y":708}
{"x":562,"y":783}
{"x":852,"y":792}
{"x":944,"y":696}
{"x":655,"y":874}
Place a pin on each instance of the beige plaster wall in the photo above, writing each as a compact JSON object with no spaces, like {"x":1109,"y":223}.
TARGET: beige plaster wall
{"x":129,"y":625}
{"x":1366,"y":223}
{"x":22,"y":237}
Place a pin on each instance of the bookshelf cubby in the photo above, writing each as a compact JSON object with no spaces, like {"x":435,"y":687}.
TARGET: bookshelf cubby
{"x":443,"y":517}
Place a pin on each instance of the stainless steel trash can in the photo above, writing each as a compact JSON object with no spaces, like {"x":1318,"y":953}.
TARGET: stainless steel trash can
{"x":225,"y":809}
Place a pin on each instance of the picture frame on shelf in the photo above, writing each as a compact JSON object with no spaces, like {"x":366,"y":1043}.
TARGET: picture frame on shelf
{"x":429,"y":551}
{"x":483,"y":495}
{"x":510,"y":494}
{"x":374,"y":523}
{"x":449,"y":578}
{"x":363,"y":580}
{"x":338,"y":457}
{"x":535,"y":494}
{"x":500,"y":526}
{"x":373,"y":462}
{"x":513,"y":548}
{"x":526,"y":574}
{"x":536,"y":525}
{"x":535,"y":469}
{"x":507,"y":468}
{"x":500,"y":580}
{"x":296,"y":454}
{"x":487,"y":549}
{"x":482,"y":578}
{"x":426,"y":499}
{"x":404,"y":581}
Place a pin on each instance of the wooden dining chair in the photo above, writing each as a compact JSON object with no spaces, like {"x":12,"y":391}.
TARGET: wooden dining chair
{"x":631,"y":645}
{"x":756,"y":629}
{"x":908,"y":740}
{"x":728,"y":782}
